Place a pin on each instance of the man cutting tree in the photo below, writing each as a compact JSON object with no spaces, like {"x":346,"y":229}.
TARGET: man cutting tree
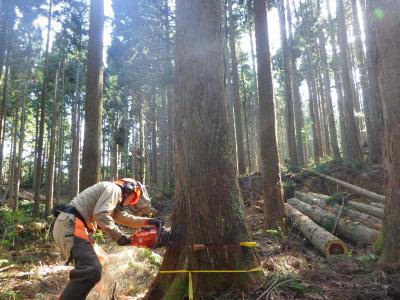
{"x":99,"y":206}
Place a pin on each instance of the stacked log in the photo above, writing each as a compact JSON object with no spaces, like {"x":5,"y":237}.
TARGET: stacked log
{"x":354,"y":215}
{"x":321,"y":239}
{"x":369,"y":209}
{"x":351,"y":230}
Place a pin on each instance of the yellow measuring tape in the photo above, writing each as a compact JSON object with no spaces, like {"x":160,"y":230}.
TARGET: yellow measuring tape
{"x":190,"y":286}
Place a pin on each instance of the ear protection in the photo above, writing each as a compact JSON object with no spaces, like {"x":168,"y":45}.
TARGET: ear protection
{"x":128,"y":187}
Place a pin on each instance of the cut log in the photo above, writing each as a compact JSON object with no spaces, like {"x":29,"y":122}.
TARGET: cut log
{"x":376,"y":204}
{"x":369,"y":209}
{"x":353,"y":231}
{"x":353,"y":188}
{"x":322,"y":240}
{"x":347,"y":212}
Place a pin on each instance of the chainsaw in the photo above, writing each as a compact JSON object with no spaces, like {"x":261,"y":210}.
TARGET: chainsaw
{"x":151,"y":236}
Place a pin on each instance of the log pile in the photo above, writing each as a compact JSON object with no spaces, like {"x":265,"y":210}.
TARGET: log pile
{"x":320,"y":238}
{"x":355,"y":221}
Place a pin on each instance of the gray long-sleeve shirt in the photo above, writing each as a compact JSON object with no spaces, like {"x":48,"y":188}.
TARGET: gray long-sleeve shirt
{"x":98,"y":205}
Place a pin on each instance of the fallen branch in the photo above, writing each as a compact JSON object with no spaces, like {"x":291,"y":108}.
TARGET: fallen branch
{"x":322,"y":240}
{"x":354,"y":188}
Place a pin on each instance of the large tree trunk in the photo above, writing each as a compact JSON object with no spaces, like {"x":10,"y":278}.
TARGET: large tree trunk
{"x":94,"y":97}
{"x":324,"y":241}
{"x":51,"y":156}
{"x":348,"y":229}
{"x":387,"y":36}
{"x":298,"y":114}
{"x":289,"y":120}
{"x":236,"y":95}
{"x":352,"y":141}
{"x":203,"y":156}
{"x":273,"y":201}
{"x":39,"y":145}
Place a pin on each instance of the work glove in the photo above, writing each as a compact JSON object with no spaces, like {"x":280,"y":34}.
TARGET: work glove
{"x":123,"y":241}
{"x":157,"y":222}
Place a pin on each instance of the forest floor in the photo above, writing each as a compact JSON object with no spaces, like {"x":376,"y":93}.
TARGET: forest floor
{"x":31,"y":267}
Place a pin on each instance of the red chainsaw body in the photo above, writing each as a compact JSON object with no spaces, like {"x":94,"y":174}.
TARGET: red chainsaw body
{"x":145,"y":238}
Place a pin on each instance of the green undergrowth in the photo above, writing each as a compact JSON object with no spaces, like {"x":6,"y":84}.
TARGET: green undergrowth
{"x":21,"y":233}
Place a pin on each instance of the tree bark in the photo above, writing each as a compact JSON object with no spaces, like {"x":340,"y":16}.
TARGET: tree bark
{"x":371,"y":210}
{"x":273,"y":202}
{"x":289,"y":120}
{"x":352,"y":231}
{"x":236,"y":95}
{"x":386,"y":20}
{"x":94,"y":97}
{"x":352,"y":141}
{"x":322,"y":240}
{"x":39,"y":145}
{"x":203,"y":156}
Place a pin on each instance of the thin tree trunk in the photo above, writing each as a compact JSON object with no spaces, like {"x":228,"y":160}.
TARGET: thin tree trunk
{"x":338,"y":81}
{"x":273,"y":201}
{"x":163,"y":142}
{"x":290,"y":126}
{"x":154,"y":156}
{"x":327,"y":87}
{"x":4,"y":104}
{"x":39,"y":146}
{"x":94,"y":97}
{"x":298,"y":114}
{"x":75,"y":154}
{"x":52,"y":150}
{"x":311,"y":95}
{"x":142,"y":140}
{"x":235,"y":94}
{"x":60,"y":146}
{"x":13,"y":155}
{"x":353,"y":145}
